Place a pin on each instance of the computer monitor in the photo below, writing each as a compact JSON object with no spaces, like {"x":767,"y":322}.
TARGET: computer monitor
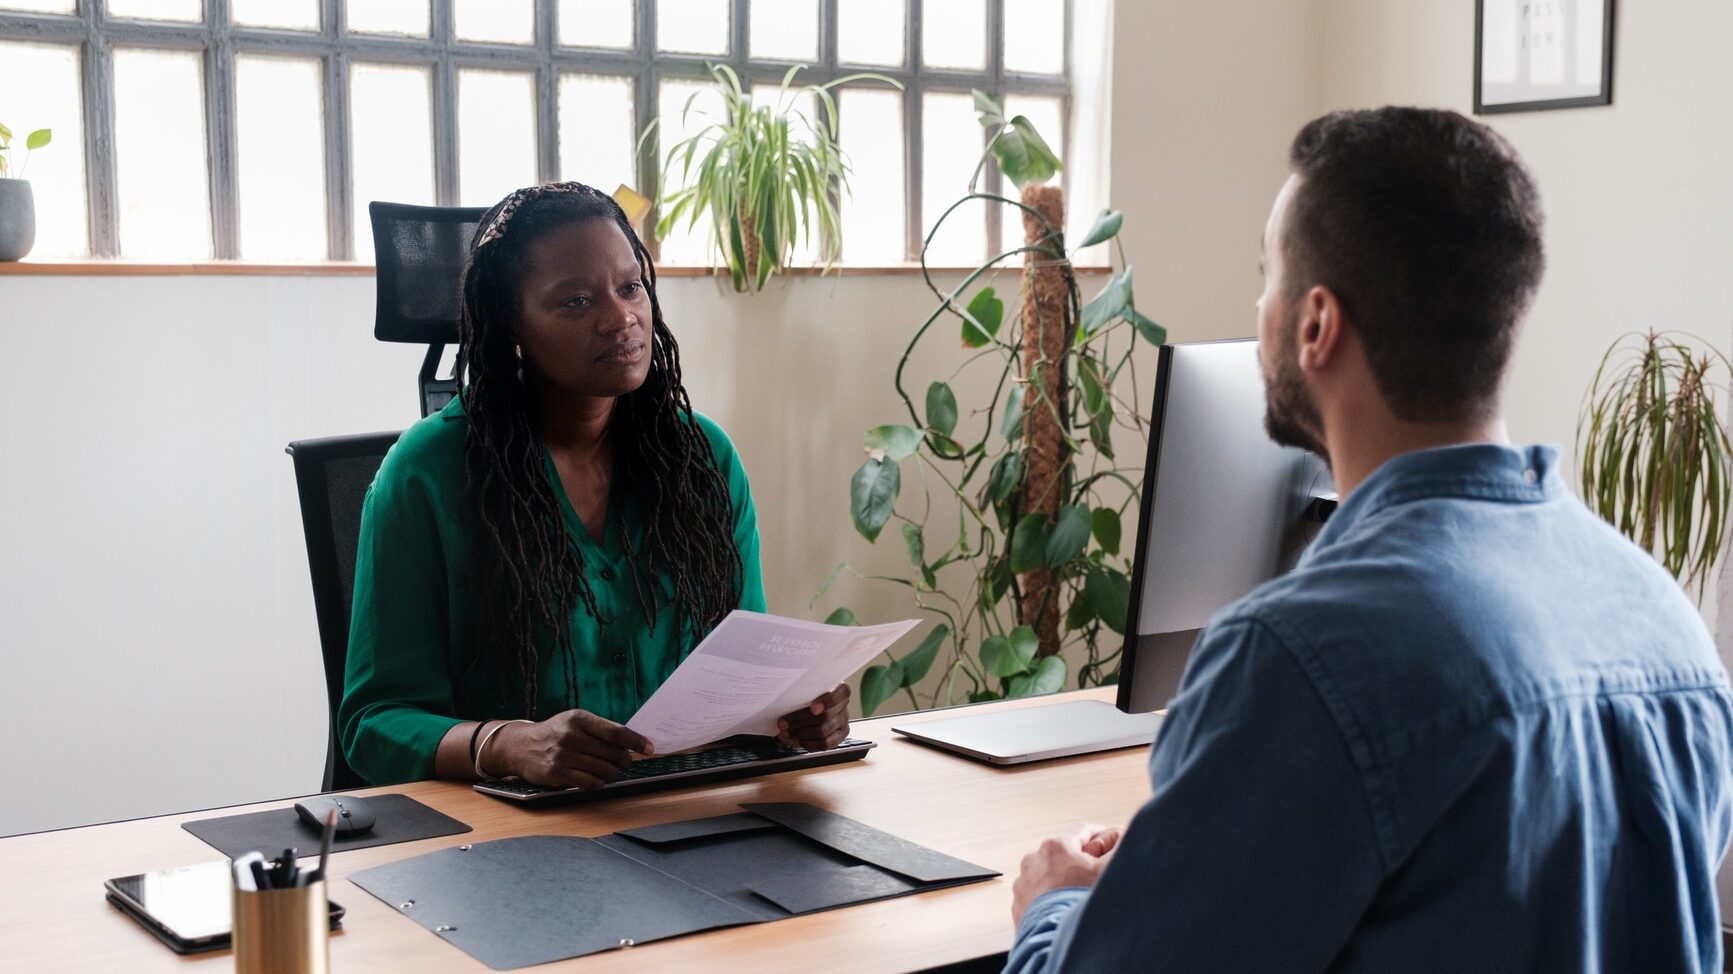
{"x":1224,"y":510}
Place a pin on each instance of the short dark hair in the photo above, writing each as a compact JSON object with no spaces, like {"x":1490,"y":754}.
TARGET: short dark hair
{"x":1427,"y":227}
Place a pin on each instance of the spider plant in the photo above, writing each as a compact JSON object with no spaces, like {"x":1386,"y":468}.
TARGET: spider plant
{"x":1656,"y":461}
{"x":768,"y":176}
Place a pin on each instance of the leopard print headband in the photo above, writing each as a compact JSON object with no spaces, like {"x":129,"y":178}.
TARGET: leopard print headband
{"x":496,"y":228}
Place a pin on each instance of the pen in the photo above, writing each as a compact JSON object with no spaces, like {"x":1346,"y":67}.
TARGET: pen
{"x":285,"y":877}
{"x":318,"y":872}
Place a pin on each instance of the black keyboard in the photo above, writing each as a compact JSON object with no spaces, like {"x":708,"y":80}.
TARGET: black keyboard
{"x":732,"y":760}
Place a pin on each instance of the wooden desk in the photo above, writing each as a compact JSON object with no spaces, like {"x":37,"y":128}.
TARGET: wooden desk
{"x":55,"y":917}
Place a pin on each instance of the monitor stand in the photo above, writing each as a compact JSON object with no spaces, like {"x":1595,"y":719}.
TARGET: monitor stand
{"x":1054,"y":730}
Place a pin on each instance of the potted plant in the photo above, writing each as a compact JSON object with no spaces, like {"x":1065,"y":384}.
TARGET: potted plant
{"x":766,"y":176}
{"x":17,"y":204}
{"x":1036,"y":566}
{"x":1656,"y":461}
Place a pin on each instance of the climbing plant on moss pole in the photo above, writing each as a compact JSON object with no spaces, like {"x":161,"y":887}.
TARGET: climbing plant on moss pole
{"x":1039,"y":494}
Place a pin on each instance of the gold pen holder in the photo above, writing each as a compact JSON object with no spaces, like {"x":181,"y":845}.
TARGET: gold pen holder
{"x":282,"y":931}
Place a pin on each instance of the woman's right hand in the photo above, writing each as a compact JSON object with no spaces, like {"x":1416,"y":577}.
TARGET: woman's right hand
{"x":572,"y":749}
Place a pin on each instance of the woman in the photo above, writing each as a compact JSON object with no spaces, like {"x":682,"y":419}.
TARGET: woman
{"x":538,"y":557}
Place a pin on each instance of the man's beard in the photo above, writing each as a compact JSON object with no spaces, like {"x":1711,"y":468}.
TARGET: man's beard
{"x":1291,"y":417}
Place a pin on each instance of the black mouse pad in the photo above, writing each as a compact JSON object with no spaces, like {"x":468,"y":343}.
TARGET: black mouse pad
{"x":397,"y":818}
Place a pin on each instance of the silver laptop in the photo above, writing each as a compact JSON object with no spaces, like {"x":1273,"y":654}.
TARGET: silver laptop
{"x":1036,"y":733}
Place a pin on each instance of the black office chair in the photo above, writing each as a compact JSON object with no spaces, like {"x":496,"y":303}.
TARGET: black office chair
{"x":419,"y":252}
{"x":332,"y":476}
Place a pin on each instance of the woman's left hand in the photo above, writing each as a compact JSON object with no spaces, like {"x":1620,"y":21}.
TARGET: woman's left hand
{"x":820,"y":725}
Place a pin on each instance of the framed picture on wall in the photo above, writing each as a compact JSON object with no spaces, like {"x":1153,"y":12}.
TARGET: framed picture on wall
{"x":1531,"y":55}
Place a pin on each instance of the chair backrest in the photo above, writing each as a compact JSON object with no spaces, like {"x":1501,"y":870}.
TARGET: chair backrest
{"x":419,"y":252}
{"x":332,"y":476}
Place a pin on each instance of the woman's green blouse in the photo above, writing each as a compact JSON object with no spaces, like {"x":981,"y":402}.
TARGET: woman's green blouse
{"x":420,"y":659}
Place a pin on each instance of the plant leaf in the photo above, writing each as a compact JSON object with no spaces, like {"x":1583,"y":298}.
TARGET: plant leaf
{"x":1149,"y":330}
{"x":1101,"y":429}
{"x":873,"y":494}
{"x":1007,"y":472}
{"x":1106,"y":228}
{"x":1049,"y":676}
{"x":1024,"y":645}
{"x":916,"y":664}
{"x":916,"y":544}
{"x":982,"y":318}
{"x":941,"y":408}
{"x":1029,"y":542}
{"x":877,"y":684}
{"x":1080,"y":614}
{"x":1109,"y":594}
{"x":1111,"y":303}
{"x":38,"y":138}
{"x":1012,"y":427}
{"x":1089,"y":378}
{"x":1104,"y":524}
{"x":994,"y":653}
{"x":894,"y":443}
{"x":1069,"y":535}
{"x":842,"y":616}
{"x":990,"y":109}
{"x":1023,"y":155}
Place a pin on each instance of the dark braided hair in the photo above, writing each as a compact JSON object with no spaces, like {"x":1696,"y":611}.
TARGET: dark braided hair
{"x":680,"y":546}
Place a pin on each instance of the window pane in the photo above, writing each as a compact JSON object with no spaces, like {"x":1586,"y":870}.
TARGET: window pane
{"x":872,"y":31}
{"x":1035,"y":36}
{"x":597,"y":23}
{"x":407,"y":17}
{"x":683,"y":246}
{"x":871,"y":133}
{"x":692,"y":26}
{"x":951,"y":146}
{"x":41,"y":85}
{"x":954,"y":34}
{"x":1045,"y":114}
{"x":283,"y":14}
{"x":499,"y":21}
{"x":41,"y":6}
{"x":596,"y":131}
{"x":785,"y":29}
{"x":183,"y":10}
{"x":279,"y":117}
{"x":391,"y":118}
{"x":159,"y":146}
{"x":496,"y":134}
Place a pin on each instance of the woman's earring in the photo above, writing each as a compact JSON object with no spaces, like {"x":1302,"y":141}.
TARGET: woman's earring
{"x":519,"y":350}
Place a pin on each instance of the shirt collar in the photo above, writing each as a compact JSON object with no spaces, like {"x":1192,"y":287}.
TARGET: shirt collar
{"x":1478,"y":471}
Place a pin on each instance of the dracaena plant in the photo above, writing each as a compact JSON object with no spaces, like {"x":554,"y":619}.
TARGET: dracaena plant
{"x":35,"y":140}
{"x":1038,"y":492}
{"x":1656,"y":462}
{"x":767,"y":176}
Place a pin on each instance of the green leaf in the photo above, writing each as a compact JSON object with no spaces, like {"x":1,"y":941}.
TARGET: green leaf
{"x":1101,"y":430}
{"x":1111,"y":303}
{"x":1019,"y":687}
{"x":895,"y":443}
{"x":1023,"y":155}
{"x":941,"y":408}
{"x":984,"y":696}
{"x":38,"y":138}
{"x":1104,"y":524}
{"x":1080,"y":614}
{"x":872,"y":495}
{"x":916,"y":664}
{"x":843,"y":616}
{"x":1049,"y":676}
{"x":996,"y":583}
{"x":1007,"y":472}
{"x":982,"y":318}
{"x":1029,"y":542}
{"x":1106,"y":228}
{"x":917,"y":545}
{"x":1089,"y":378}
{"x":1109,"y":593}
{"x":5,"y":136}
{"x":1069,"y":536}
{"x":1007,"y":657}
{"x":1012,"y":427}
{"x":1024,"y":645}
{"x":944,"y":447}
{"x":877,"y":684}
{"x":990,"y":109}
{"x":1149,"y":330}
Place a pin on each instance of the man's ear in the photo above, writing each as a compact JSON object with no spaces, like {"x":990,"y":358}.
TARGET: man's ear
{"x":1322,"y":329}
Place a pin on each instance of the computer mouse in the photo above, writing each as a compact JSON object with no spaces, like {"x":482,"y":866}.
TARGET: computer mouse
{"x":353,"y":814}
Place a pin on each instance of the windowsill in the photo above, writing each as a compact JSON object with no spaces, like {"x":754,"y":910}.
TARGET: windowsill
{"x":237,"y":268}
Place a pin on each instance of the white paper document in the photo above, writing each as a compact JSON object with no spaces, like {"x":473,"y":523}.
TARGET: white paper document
{"x":752,"y":669}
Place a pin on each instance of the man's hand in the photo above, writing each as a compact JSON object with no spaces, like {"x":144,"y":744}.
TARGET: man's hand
{"x":571,"y":749}
{"x":820,"y":725}
{"x":1074,"y":857}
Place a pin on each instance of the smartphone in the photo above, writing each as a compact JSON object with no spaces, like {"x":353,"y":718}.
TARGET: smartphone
{"x":187,"y":908}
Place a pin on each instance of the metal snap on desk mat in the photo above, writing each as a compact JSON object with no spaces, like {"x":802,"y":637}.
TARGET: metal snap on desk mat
{"x":517,"y":902}
{"x":398,"y":818}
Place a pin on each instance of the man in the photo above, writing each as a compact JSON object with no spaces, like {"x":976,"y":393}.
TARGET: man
{"x":1476,"y":729}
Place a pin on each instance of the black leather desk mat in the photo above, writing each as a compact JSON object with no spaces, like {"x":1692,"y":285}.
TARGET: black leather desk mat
{"x":398,"y":818}
{"x":518,"y":902}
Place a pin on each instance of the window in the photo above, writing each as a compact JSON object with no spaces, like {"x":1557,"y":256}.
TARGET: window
{"x":260,"y":129}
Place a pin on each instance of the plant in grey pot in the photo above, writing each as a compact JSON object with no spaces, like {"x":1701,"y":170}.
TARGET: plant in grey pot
{"x":17,"y":204}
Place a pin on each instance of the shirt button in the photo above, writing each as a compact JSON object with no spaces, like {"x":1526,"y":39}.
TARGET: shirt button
{"x":1530,"y":477}
{"x":620,"y":658}
{"x":608,"y":573}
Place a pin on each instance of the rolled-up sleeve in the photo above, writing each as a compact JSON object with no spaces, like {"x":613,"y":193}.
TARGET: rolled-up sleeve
{"x":1258,"y":850}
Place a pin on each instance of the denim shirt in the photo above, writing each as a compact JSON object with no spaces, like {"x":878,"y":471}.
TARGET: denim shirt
{"x":1475,"y":730}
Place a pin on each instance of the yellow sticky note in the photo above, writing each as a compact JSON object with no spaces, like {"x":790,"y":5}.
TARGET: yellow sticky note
{"x":634,"y":203}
